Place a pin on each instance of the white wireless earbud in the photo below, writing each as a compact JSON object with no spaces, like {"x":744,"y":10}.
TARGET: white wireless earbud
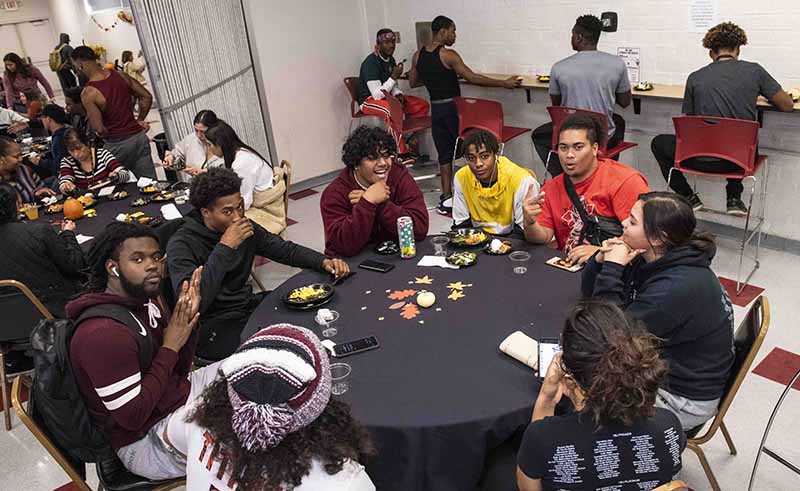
{"x":114,"y":271}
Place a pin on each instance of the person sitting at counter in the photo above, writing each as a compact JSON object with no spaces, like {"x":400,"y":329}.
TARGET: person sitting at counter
{"x":589,"y":79}
{"x":85,"y":165}
{"x":217,"y":236}
{"x":488,"y":192}
{"x":728,"y":88}
{"x":365,"y":200}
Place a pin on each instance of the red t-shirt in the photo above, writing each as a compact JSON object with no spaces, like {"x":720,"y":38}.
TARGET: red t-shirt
{"x":610,"y":191}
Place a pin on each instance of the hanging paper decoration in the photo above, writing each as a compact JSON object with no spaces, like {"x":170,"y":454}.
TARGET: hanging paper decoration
{"x":125,"y":16}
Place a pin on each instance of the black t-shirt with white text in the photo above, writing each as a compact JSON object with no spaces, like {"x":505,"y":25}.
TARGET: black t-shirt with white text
{"x":569,"y":453}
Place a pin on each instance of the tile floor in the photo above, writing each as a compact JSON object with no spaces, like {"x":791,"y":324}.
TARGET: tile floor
{"x":26,"y":466}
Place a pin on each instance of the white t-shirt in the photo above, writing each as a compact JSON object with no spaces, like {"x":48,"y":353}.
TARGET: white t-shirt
{"x":202,"y":472}
{"x":195,"y":153}
{"x":255,"y":173}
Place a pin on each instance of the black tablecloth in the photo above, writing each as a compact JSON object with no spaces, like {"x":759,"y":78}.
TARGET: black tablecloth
{"x":108,"y":210}
{"x":438,"y":396}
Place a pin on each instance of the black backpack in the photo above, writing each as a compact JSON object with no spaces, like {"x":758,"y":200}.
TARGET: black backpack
{"x":55,"y":400}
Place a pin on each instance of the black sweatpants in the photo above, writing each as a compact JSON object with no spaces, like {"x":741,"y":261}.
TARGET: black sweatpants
{"x":543,"y":142}
{"x":663,"y":147}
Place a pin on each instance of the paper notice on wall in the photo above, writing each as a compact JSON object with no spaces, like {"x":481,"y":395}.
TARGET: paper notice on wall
{"x":703,"y":15}
{"x":632,"y":61}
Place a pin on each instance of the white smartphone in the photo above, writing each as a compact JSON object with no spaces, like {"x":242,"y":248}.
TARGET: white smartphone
{"x":548,"y":348}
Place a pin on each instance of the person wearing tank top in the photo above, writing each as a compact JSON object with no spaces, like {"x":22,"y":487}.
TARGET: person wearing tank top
{"x":108,"y":98}
{"x":438,"y":68}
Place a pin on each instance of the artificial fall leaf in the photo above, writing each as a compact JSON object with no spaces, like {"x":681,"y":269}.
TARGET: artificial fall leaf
{"x":401,"y":294}
{"x":409,"y":311}
{"x":395,"y":306}
{"x":455,"y":295}
{"x":425,"y":280}
{"x":456,"y":286}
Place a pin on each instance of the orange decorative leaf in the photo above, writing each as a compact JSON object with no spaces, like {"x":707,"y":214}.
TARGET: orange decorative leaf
{"x":397,"y":305}
{"x":401,"y":294}
{"x":409,"y":311}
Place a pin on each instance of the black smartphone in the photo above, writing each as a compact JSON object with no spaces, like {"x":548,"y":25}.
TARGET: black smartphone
{"x":548,"y":348}
{"x":341,"y":350}
{"x":376,"y":266}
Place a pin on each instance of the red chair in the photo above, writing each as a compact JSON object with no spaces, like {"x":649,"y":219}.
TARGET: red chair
{"x":559,"y":113}
{"x":401,"y":125}
{"x":355,"y":109}
{"x":734,"y":140}
{"x":486,"y":115}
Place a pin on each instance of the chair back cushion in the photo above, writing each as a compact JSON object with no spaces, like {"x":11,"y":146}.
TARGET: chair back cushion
{"x":734,"y":140}
{"x":20,"y":316}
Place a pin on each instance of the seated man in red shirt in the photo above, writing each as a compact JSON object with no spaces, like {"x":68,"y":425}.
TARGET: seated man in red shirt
{"x":363,"y":203}
{"x":606,"y":189}
{"x":130,"y":395}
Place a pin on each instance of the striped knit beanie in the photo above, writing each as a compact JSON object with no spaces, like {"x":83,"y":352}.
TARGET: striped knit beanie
{"x":279,"y":381}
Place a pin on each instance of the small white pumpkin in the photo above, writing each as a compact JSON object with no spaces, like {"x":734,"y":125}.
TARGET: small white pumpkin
{"x":425,"y":299}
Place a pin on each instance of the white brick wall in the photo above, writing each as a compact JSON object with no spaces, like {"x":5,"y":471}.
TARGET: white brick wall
{"x":528,"y":36}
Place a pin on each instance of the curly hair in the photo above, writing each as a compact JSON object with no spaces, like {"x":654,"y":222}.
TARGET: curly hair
{"x":725,"y":35}
{"x":614,"y":360}
{"x":107,"y":247}
{"x":367,"y":142}
{"x":480,"y":138}
{"x":333,"y":437}
{"x":8,"y":203}
{"x":589,"y":26}
{"x":212,"y":185}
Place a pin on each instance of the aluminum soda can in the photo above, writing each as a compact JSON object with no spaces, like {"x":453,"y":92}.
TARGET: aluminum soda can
{"x":405,"y":237}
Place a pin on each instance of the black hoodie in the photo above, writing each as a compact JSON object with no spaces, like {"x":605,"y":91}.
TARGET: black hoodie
{"x":223,"y":286}
{"x":682,"y":302}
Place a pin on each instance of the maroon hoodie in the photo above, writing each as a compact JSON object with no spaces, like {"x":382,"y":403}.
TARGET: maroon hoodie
{"x":123,"y":400}
{"x":348,"y":227}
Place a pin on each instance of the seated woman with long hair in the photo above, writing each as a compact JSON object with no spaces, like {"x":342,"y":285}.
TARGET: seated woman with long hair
{"x":268,"y":423}
{"x":659,"y":271}
{"x":195,"y":150}
{"x":616,"y":438}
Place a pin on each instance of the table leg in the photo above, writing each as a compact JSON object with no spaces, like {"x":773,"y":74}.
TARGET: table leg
{"x":760,"y":116}
{"x":528,"y":95}
{"x":637,"y":105}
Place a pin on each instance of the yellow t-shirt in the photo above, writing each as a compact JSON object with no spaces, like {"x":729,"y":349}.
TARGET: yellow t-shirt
{"x":495,"y":209}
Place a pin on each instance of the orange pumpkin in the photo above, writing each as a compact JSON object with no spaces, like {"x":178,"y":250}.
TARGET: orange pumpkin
{"x":73,"y":209}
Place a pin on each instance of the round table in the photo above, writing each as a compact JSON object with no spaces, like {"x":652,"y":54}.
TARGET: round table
{"x":108,"y":210}
{"x":438,"y":394}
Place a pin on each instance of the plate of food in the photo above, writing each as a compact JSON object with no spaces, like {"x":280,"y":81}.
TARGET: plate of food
{"x":87,"y":200}
{"x":118,"y":195}
{"x":463,"y":258}
{"x":309,"y":296}
{"x":498,"y":247}
{"x":543,"y":78}
{"x":562,"y":263}
{"x":387,"y":248}
{"x":643,"y":86}
{"x":152,"y":188}
{"x":140,"y":202}
{"x":163,"y":196}
{"x":54,"y":208}
{"x":468,"y":237}
{"x":794,"y":93}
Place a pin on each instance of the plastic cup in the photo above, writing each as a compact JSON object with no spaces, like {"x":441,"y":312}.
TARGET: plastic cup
{"x":439,"y":242}
{"x":519,"y":261}
{"x":340,"y":378}
{"x":31,"y":211}
{"x":329,"y":327}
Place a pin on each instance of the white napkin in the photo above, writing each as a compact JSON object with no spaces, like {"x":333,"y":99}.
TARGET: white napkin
{"x":522,"y":348}
{"x":83,"y":238}
{"x":143,"y":182}
{"x":121,"y":217}
{"x":170,"y":212}
{"x":106,"y":191}
{"x":438,"y":261}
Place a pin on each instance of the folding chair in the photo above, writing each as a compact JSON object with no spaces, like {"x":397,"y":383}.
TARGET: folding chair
{"x":484,"y":114}
{"x":734,"y":140}
{"x":558,"y":114}
{"x":112,"y":478}
{"x":22,"y":310}
{"x":351,"y":83}
{"x":747,"y":341}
